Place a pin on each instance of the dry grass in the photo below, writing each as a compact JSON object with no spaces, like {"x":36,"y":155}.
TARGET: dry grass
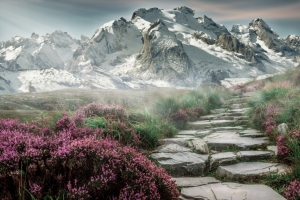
{"x":28,"y":106}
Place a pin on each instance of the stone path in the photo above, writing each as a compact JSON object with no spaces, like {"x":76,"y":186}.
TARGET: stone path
{"x":222,"y":145}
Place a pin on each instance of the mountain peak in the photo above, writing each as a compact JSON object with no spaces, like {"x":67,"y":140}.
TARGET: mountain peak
{"x":34,"y":36}
{"x":185,"y":10}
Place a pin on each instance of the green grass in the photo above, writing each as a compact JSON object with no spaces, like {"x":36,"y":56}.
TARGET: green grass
{"x":151,"y":129}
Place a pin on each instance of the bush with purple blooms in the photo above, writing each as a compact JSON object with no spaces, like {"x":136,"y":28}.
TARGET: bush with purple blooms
{"x":179,"y":118}
{"x":77,"y":163}
{"x":292,"y":192}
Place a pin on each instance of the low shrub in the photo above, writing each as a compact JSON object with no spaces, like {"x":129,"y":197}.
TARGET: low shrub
{"x":77,"y":164}
{"x":292,"y":192}
{"x":179,"y":119}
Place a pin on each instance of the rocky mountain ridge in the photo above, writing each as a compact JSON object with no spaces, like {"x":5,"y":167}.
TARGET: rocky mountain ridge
{"x":161,"y":48}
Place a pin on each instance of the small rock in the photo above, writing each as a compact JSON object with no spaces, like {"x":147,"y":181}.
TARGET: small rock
{"x":199,"y":145}
{"x":282,"y":128}
{"x":272,"y":148}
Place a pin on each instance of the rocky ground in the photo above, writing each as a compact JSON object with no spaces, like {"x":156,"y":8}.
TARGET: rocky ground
{"x":223,"y":146}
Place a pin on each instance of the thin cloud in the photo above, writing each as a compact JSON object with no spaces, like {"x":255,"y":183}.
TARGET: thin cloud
{"x":225,"y":12}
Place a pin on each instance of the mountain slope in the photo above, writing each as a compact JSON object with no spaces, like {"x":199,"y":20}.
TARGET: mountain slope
{"x":164,"y":48}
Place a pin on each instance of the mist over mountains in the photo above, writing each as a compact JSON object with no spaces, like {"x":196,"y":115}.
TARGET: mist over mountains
{"x":157,"y":48}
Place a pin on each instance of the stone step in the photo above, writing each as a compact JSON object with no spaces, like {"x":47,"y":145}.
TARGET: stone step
{"x":235,"y":105}
{"x":222,"y":142}
{"x":194,"y":181}
{"x":206,"y":124}
{"x":219,"y":111}
{"x":198,"y":125}
{"x":187,"y":132}
{"x":254,"y":155}
{"x":235,"y":114}
{"x":228,"y":128}
{"x":228,"y":158}
{"x":182,"y":163}
{"x":238,"y":100}
{"x":251,"y":133}
{"x":230,"y":191}
{"x":246,"y":170}
{"x":238,"y":110}
{"x":215,"y":116}
{"x":174,"y":145}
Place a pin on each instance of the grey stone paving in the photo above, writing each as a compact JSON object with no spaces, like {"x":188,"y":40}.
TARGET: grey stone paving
{"x":246,"y":170}
{"x":201,"y":149}
{"x":194,"y":181}
{"x":182,"y":163}
{"x":230,"y":191}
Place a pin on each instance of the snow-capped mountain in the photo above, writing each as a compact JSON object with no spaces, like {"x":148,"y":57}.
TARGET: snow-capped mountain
{"x":156,"y":47}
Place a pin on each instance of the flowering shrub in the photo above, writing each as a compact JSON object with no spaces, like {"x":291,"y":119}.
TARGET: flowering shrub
{"x":270,"y":123}
{"x":282,"y":147}
{"x":76,"y":163}
{"x":194,"y":113}
{"x":179,"y":118}
{"x":99,"y":110}
{"x":292,"y":192}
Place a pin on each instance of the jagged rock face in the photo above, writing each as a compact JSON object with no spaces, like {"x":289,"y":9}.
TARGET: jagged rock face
{"x":209,"y":24}
{"x":109,"y":39}
{"x":217,"y":76}
{"x":157,"y":47}
{"x":293,"y":42}
{"x":266,"y":34}
{"x":252,"y":55}
{"x":203,"y":37}
{"x":270,"y":38}
{"x":51,"y":50}
{"x":163,"y":55}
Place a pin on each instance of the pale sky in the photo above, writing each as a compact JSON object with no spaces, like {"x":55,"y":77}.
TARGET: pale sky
{"x":83,"y":17}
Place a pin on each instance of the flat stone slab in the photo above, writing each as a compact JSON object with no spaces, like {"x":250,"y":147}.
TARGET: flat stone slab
{"x":222,"y":122}
{"x":187,"y":132}
{"x":209,"y":117}
{"x":172,"y":148}
{"x":199,"y":146}
{"x":230,"y":191}
{"x":194,"y":181}
{"x":179,"y":141}
{"x":203,"y":133}
{"x":236,"y":114}
{"x":226,"y":158}
{"x":205,"y":124}
{"x":273,"y":148}
{"x":218,"y":111}
{"x":217,"y":116}
{"x":185,"y":136}
{"x":229,"y":141}
{"x":182,"y":164}
{"x":254,"y":155}
{"x":246,"y":170}
{"x":251,"y":133}
{"x":228,"y":128}
{"x":238,"y":110}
